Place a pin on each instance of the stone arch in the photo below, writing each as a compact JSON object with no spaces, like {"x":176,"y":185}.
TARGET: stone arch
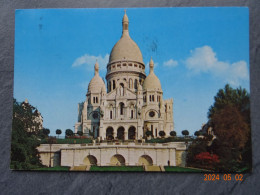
{"x":90,"y":160}
{"x":121,"y":133}
{"x":145,"y":160}
{"x":109,"y":133}
{"x":131,"y":132}
{"x":117,"y":160}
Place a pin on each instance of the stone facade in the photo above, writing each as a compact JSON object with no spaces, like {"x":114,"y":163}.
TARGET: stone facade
{"x":131,"y":103}
{"x":104,"y":154}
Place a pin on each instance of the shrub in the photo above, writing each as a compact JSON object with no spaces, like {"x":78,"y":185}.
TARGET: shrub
{"x":162,"y":133}
{"x":185,"y":132}
{"x":173,"y":133}
{"x":148,"y":133}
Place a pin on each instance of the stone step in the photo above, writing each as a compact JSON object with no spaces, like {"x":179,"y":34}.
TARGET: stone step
{"x":80,"y":168}
{"x":153,"y":168}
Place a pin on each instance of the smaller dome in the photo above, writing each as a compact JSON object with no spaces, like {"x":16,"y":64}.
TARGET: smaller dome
{"x":96,"y":84}
{"x":103,"y":89}
{"x":152,"y":83}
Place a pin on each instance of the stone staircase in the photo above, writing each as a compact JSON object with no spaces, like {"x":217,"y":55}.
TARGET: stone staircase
{"x":80,"y":168}
{"x":153,"y":168}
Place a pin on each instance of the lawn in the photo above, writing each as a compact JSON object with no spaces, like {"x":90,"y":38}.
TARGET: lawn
{"x":183,"y":169}
{"x":117,"y":168}
{"x":57,"y":168}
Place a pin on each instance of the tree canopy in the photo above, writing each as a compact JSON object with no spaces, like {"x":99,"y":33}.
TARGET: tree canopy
{"x":58,"y":131}
{"x":46,"y":131}
{"x":185,"y":132}
{"x":80,"y":133}
{"x":229,"y":118}
{"x":173,"y":133}
{"x":24,"y":154}
{"x":228,"y":96}
{"x":148,"y":133}
{"x":69,"y":132}
{"x":162,"y":133}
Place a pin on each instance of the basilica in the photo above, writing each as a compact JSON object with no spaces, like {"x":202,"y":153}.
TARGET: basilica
{"x":131,"y":103}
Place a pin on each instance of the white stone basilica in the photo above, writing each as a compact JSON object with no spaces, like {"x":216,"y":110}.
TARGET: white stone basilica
{"x":131,"y":104}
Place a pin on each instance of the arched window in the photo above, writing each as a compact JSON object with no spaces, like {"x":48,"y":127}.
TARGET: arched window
{"x":114,"y":84}
{"x":121,"y":108}
{"x":135,"y":83}
{"x":109,"y":86}
{"x":94,"y":100}
{"x":111,"y":114}
{"x":150,"y":98}
{"x":132,"y":114}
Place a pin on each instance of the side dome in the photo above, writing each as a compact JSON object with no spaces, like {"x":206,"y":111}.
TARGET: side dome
{"x":125,"y":48}
{"x":96,"y":84}
{"x":152,"y":82}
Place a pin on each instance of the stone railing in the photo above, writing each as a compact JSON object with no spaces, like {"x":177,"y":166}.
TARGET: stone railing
{"x":58,"y":147}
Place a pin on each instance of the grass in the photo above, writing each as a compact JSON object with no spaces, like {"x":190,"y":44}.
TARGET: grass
{"x":116,"y":168}
{"x":57,"y":168}
{"x":183,"y":169}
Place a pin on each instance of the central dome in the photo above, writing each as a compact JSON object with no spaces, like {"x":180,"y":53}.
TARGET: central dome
{"x":125,"y":48}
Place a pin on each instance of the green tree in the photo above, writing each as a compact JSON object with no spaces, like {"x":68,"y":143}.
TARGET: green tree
{"x":231,"y":128}
{"x":80,"y":133}
{"x":230,"y":118}
{"x":148,"y":133}
{"x":46,"y":131}
{"x":196,"y":133}
{"x":185,"y":133}
{"x":238,"y":98}
{"x":24,"y":154}
{"x":162,"y":133}
{"x":173,"y":133}
{"x":69,"y":132}
{"x":58,"y":132}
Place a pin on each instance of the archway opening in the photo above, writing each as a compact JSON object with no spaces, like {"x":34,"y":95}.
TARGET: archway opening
{"x":131,"y":132}
{"x":145,"y":160}
{"x":121,"y":133}
{"x":90,"y":160}
{"x":110,"y":133}
{"x":117,"y":160}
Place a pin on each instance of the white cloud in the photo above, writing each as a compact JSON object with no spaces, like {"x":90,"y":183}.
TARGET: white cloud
{"x":89,"y":61}
{"x":155,"y":64}
{"x":170,"y":63}
{"x":203,"y":59}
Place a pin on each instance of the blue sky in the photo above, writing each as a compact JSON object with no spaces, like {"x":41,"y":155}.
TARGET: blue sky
{"x":196,"y":52}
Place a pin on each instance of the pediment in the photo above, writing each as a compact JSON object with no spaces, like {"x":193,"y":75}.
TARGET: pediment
{"x":121,"y":94}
